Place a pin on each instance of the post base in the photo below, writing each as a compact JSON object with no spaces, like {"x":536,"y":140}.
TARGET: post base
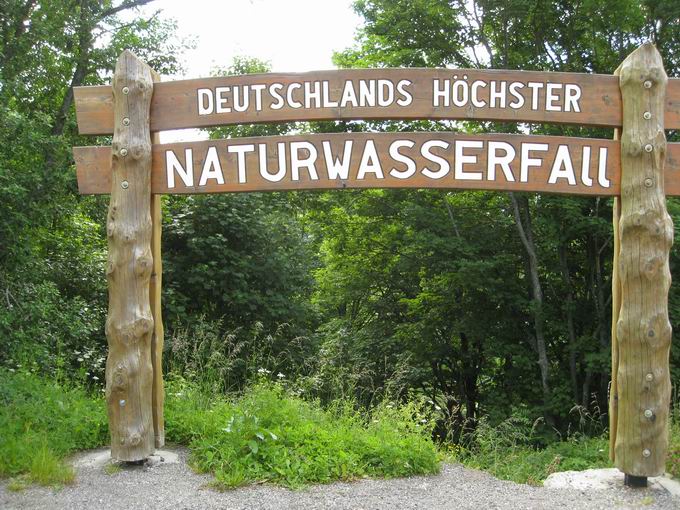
{"x":635,"y":481}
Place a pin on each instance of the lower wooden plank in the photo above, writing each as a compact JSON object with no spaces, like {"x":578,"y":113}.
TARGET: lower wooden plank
{"x":499,"y":162}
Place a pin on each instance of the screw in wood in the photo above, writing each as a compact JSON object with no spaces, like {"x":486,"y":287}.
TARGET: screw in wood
{"x":124,"y":185}
{"x":126,"y":90}
{"x":648,"y":148}
{"x":648,"y":84}
{"x":647,"y":115}
{"x":649,"y":377}
{"x":122,"y":403}
{"x":648,"y":413}
{"x":124,"y":152}
{"x":646,"y":452}
{"x":648,"y":183}
{"x":126,"y":121}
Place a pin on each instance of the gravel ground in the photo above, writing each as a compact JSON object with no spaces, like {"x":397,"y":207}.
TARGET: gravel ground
{"x":175,"y":486}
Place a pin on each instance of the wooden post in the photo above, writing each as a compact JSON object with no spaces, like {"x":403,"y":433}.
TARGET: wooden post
{"x":616,"y":309}
{"x":643,"y":331}
{"x":130,"y":324}
{"x":158,"y":394}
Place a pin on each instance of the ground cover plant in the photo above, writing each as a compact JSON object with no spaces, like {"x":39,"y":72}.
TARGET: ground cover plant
{"x":270,"y":435}
{"x":43,"y":421}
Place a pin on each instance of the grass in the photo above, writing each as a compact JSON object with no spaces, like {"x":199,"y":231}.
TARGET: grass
{"x":505,"y":451}
{"x":269,"y":435}
{"x":41,"y":422}
{"x":265,"y":435}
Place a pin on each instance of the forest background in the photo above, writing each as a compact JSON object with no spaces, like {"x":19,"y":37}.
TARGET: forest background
{"x":486,"y":308}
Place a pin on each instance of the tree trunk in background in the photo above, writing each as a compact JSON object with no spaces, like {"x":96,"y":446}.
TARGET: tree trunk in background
{"x":520,"y":206}
{"x":569,"y":313}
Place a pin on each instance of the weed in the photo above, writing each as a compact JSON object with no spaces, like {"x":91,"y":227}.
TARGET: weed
{"x":269,"y":435}
{"x":41,"y":422}
{"x":112,"y":468}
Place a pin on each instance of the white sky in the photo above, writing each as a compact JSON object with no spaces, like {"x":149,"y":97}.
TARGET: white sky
{"x":292,"y":35}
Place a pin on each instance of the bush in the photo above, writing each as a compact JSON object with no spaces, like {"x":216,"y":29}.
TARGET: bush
{"x":41,"y":422}
{"x":269,"y":435}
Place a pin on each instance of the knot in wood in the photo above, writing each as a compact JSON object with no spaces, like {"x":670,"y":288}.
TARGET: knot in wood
{"x":140,"y":150}
{"x":144,"y":265}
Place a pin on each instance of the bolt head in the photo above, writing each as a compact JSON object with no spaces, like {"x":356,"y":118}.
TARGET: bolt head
{"x":649,"y":377}
{"x":648,"y":413}
{"x":647,"y":115}
{"x":648,"y":184}
{"x":124,"y":185}
{"x":124,"y":152}
{"x":648,"y":84}
{"x":646,"y":452}
{"x":126,"y":121}
{"x":126,"y":90}
{"x":648,"y":148}
{"x":122,"y":403}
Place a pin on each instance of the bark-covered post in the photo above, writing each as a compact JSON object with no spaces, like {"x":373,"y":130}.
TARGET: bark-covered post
{"x":643,"y":331}
{"x":130,"y":324}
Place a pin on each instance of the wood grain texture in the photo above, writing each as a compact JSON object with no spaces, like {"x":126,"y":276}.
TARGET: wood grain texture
{"x":616,"y":308}
{"x":92,"y":165}
{"x":175,"y":104}
{"x":643,"y":331}
{"x":155,"y":293}
{"x":130,"y":324}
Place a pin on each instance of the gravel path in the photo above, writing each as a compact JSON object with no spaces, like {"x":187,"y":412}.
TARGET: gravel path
{"x":175,"y":486}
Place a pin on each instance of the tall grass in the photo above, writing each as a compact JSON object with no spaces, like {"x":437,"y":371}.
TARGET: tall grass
{"x":271,"y":435}
{"x":41,"y":422}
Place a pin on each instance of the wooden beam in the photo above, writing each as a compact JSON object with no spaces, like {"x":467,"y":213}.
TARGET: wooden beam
{"x":155,"y":287}
{"x":92,"y":165}
{"x":381,"y":94}
{"x":130,"y":324}
{"x":643,"y":331}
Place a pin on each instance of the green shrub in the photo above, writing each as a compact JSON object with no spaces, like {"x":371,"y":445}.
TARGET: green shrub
{"x":269,"y":435}
{"x":41,"y":422}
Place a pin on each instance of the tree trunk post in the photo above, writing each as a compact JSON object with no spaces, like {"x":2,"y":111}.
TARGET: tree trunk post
{"x":130,"y":323}
{"x":643,"y":331}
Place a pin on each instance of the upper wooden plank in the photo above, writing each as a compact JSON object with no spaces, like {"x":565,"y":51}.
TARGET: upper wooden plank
{"x":514,"y":96}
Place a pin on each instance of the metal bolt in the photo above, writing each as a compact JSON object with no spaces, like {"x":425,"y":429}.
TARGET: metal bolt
{"x":124,"y":185}
{"x":646,"y":452}
{"x":648,"y":84}
{"x":122,"y":440}
{"x":126,"y":121}
{"x":126,"y":90}
{"x":123,"y":152}
{"x":648,"y":184}
{"x":648,"y":413}
{"x":648,"y":148}
{"x":649,"y":377}
{"x":647,"y":115}
{"x":122,"y":403}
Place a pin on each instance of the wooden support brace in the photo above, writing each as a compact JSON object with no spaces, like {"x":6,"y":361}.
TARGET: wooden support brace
{"x":643,"y":332}
{"x":130,"y":323}
{"x":157,"y":340}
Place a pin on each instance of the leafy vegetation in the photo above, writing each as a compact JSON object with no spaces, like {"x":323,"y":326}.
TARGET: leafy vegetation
{"x":360,"y":297}
{"x":43,"y":421}
{"x":270,"y":435}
